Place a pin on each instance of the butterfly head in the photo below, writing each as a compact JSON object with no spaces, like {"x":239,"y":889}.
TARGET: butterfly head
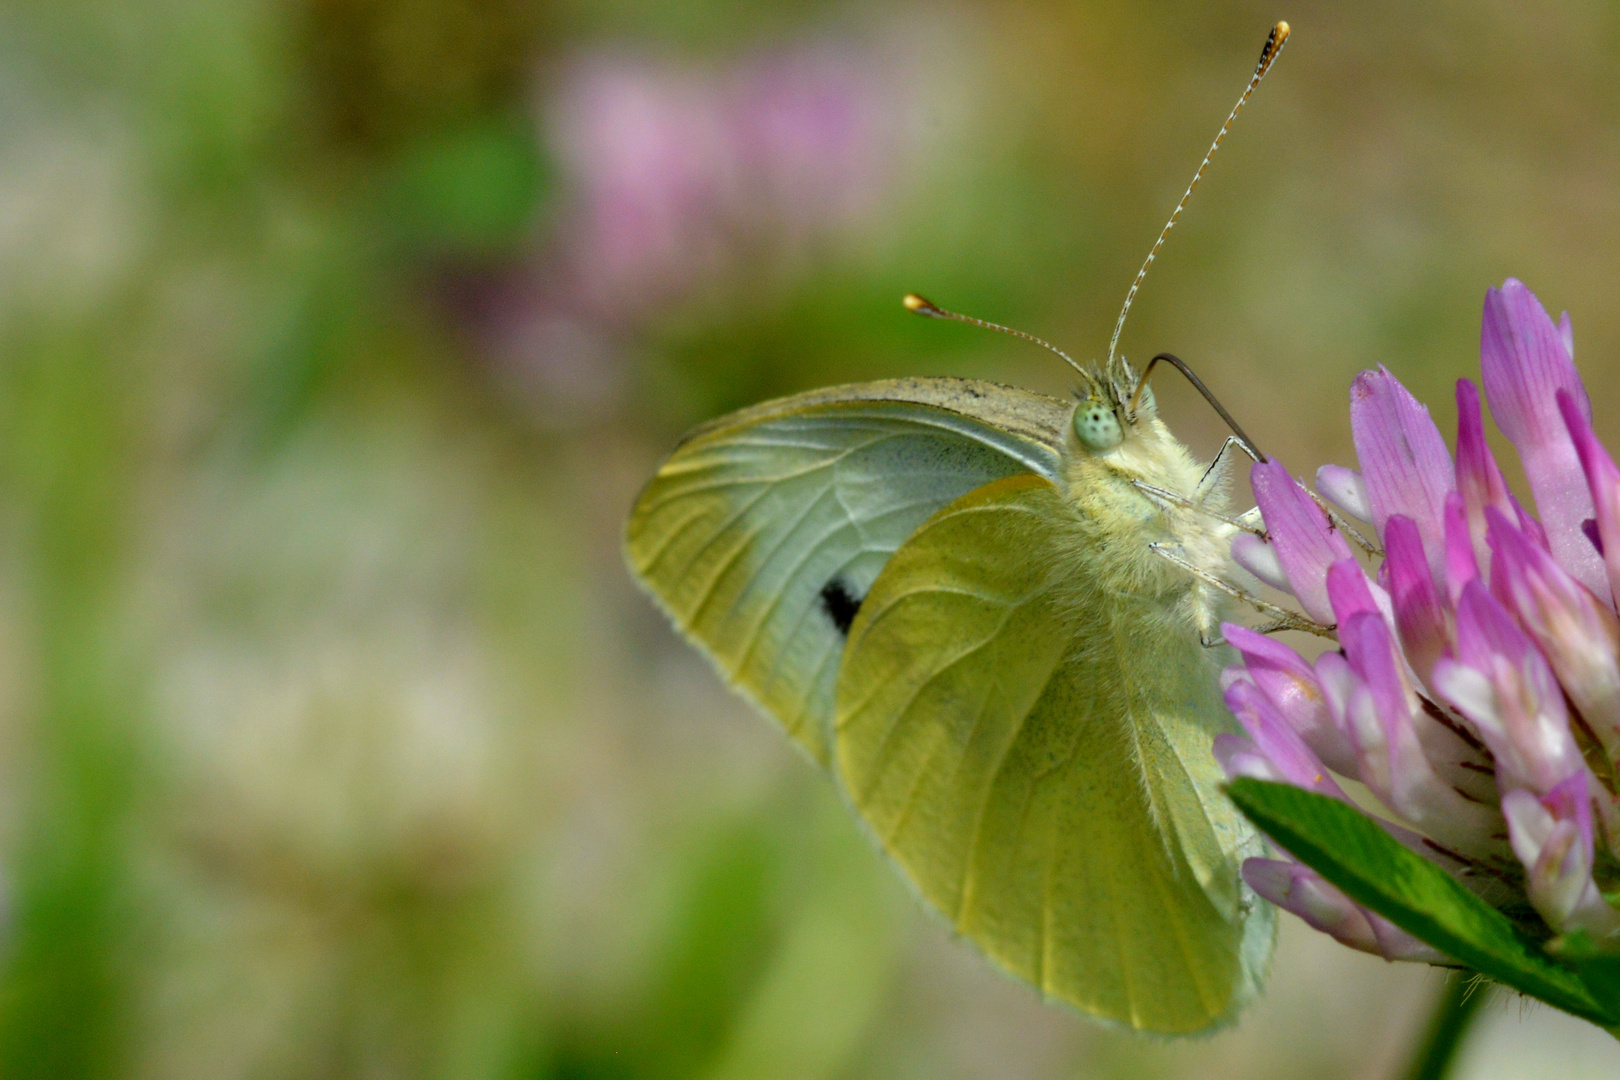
{"x":1116,"y":407}
{"x":1113,"y":404}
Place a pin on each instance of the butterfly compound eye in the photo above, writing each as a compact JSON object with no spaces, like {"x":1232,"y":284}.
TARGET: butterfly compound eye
{"x":1096,"y":426}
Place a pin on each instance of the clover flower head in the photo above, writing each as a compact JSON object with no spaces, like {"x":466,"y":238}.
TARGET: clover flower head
{"x":1475,"y":690}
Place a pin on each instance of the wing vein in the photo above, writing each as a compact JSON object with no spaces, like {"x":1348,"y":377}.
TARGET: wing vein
{"x":916,"y":692}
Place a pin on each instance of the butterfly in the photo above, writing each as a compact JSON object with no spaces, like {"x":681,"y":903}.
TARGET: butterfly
{"x":990,"y":616}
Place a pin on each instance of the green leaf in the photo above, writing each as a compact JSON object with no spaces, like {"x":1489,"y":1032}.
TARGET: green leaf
{"x":1348,"y":849}
{"x":1599,"y":969}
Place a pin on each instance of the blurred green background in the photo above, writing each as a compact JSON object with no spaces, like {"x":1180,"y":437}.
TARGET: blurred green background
{"x":336,"y":337}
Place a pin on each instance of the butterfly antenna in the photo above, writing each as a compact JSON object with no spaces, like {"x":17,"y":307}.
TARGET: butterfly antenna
{"x":1274,"y":45}
{"x":921,"y":306}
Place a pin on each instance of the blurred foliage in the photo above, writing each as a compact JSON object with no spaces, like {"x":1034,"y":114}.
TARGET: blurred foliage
{"x":334,"y":740}
{"x":380,"y":72}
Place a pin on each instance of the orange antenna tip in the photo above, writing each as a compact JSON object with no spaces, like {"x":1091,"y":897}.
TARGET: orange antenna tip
{"x":1273,"y":46}
{"x":921,"y":306}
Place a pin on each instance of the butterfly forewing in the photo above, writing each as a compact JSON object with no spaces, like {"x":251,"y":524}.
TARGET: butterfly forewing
{"x":763,"y":532}
{"x":1034,"y":752}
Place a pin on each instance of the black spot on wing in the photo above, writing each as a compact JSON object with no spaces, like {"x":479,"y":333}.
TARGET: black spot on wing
{"x":840,"y":604}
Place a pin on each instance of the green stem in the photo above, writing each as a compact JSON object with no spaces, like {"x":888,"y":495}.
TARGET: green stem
{"x":1454,"y":1014}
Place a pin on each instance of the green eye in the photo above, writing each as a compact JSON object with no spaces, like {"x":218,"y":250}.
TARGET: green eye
{"x":1096,"y":426}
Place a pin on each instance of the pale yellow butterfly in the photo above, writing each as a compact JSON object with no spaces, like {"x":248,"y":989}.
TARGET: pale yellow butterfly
{"x":990,"y":615}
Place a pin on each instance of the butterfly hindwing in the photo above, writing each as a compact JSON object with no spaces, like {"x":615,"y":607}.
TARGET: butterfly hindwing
{"x":1034,"y":752}
{"x":762,"y":533}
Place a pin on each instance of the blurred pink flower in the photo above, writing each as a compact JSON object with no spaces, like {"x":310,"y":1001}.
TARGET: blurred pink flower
{"x":686,"y":186}
{"x":681,"y":176}
{"x":1478,"y":678}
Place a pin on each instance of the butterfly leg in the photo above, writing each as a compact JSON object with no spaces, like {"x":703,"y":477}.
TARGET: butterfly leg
{"x":1283,"y":619}
{"x":1219,"y":466}
{"x":1170,"y":498}
{"x":1265,"y":628}
{"x":1338,"y":522}
{"x":1280,"y":625}
{"x":1216,"y":474}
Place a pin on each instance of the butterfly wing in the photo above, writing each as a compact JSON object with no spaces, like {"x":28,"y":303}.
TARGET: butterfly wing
{"x":1035,"y":753}
{"x":764,"y":530}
